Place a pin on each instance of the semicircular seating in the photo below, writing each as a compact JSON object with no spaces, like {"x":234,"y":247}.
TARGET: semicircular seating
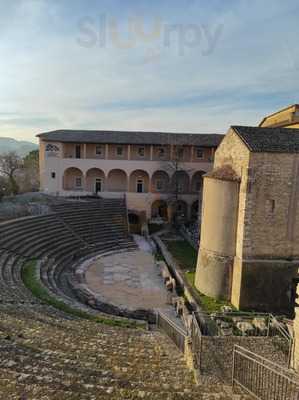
{"x":73,"y":231}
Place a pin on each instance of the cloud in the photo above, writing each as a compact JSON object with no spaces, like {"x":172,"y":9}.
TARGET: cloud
{"x":50,"y":81}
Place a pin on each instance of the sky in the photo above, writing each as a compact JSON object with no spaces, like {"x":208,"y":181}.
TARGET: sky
{"x":160,"y":65}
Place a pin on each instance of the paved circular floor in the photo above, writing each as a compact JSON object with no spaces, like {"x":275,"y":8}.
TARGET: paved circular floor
{"x":129,"y":279}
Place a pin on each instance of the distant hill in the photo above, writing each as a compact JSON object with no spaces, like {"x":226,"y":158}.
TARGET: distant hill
{"x":21,"y":147}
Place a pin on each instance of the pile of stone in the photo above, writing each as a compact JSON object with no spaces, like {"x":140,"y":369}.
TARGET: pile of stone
{"x":229,"y":324}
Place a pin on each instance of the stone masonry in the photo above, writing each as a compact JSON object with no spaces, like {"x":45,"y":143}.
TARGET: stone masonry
{"x":266,"y":255}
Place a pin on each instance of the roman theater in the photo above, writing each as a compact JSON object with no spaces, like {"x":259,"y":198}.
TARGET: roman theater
{"x":157,"y":266}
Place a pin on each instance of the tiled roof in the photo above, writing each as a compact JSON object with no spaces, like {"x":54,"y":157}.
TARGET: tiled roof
{"x":269,"y":140}
{"x":132,"y":137}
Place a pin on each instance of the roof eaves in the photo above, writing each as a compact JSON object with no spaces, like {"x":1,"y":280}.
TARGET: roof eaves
{"x":235,"y":128}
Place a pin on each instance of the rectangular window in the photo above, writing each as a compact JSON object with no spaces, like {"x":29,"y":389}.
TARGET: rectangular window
{"x":99,"y":150}
{"x":53,"y":175}
{"x":119,"y":151}
{"x":199,"y":152}
{"x":139,"y":188}
{"x":78,"y":151}
{"x":78,"y":182}
{"x":98,"y":185}
{"x":141,"y":151}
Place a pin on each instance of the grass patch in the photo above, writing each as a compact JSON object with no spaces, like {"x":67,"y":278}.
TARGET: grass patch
{"x":209,"y":304}
{"x":186,"y":256}
{"x":154,"y":228}
{"x":32,"y":282}
{"x":184,"y":253}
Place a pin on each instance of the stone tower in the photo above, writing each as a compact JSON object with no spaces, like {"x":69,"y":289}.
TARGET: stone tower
{"x":249,"y":250}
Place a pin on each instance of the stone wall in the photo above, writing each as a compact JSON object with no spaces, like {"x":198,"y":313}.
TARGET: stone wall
{"x":266,"y":254}
{"x":217,"y":353}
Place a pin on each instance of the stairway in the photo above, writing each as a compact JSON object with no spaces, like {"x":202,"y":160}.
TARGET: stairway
{"x":42,"y":355}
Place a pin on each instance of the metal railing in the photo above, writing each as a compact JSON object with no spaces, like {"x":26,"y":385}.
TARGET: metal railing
{"x":261,"y":378}
{"x":175,"y":332}
{"x":196,"y":342}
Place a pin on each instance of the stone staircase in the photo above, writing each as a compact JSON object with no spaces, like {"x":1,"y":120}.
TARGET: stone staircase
{"x":61,"y":239}
{"x":47,"y":354}
{"x":95,"y":220}
{"x":50,"y":357}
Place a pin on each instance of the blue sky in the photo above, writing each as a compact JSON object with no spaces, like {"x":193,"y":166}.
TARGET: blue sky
{"x":182,"y":66}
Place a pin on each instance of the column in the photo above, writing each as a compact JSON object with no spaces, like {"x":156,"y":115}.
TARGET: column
{"x":106,"y":151}
{"x":129,"y":152}
{"x":192,"y":153}
{"x":151,"y":152}
{"x":171,"y":151}
{"x":84,"y":150}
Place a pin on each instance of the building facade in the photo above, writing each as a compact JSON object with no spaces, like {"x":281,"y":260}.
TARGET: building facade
{"x":286,"y":118}
{"x":150,"y":168}
{"x":249,"y":250}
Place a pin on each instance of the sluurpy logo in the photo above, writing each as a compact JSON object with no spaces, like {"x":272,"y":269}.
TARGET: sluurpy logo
{"x":108,"y":31}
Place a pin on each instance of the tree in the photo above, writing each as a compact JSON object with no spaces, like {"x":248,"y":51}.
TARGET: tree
{"x":177,"y":171}
{"x":10,"y":163}
{"x":28,"y":179}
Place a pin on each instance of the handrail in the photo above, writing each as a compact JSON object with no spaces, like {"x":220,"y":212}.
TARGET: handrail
{"x":170,"y":322}
{"x":260,"y":359}
{"x":280,"y":327}
{"x":174,"y":332}
{"x":262,"y":378}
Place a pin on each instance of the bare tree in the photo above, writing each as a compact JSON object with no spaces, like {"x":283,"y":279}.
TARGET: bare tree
{"x":176,"y":170}
{"x":10,"y":163}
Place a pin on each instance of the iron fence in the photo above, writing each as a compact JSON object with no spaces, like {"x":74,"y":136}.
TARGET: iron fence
{"x":261,"y":378}
{"x":177,"y":334}
{"x":196,"y":342}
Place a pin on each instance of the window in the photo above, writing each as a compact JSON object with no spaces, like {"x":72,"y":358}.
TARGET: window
{"x":52,"y":147}
{"x":139,"y":186}
{"x":199,"y":152}
{"x":78,"y":151}
{"x":98,"y":185}
{"x":53,"y":175}
{"x":119,"y":151}
{"x":99,"y":150}
{"x":159,"y":185}
{"x":78,"y":182}
{"x":161,"y":152}
{"x":141,"y":151}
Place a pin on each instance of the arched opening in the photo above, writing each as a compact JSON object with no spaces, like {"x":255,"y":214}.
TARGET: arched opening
{"x":117,"y":181}
{"x":197,"y":181}
{"x":160,"y":182}
{"x":139,"y":181}
{"x":160,"y":210}
{"x":95,"y":180}
{"x":180,"y":182}
{"x":73,"y":179}
{"x":134,"y":222}
{"x":180,"y":211}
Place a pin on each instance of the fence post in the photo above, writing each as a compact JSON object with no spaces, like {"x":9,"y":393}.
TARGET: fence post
{"x":268,"y":328}
{"x":233,"y":369}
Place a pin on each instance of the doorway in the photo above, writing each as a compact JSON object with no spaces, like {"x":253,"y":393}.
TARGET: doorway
{"x":98,"y":185}
{"x":139,"y":186}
